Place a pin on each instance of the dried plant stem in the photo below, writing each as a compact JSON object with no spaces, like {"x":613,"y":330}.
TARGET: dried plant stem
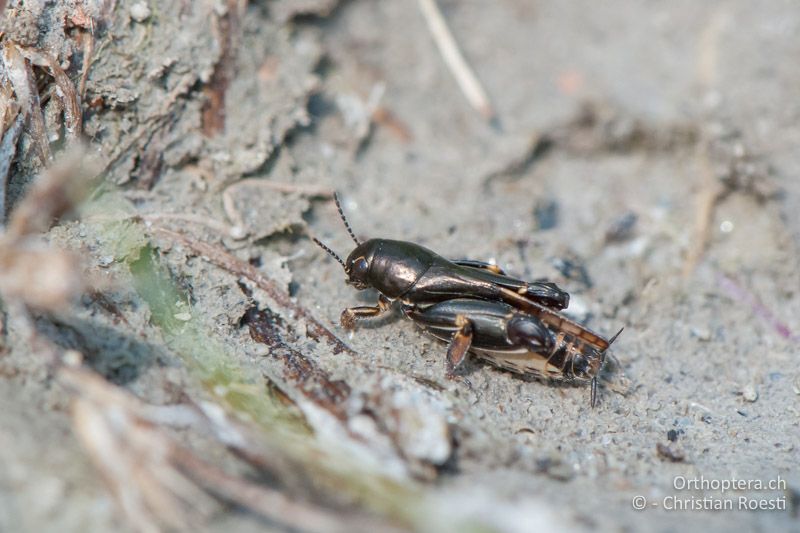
{"x":159,"y":482}
{"x":259,"y":499}
{"x":281,"y":186}
{"x":707,"y":199}
{"x":233,"y":264}
{"x":211,"y":223}
{"x":711,"y":190}
{"x":8,"y":148}
{"x":72,"y":111}
{"x":239,"y":231}
{"x":454,"y":59}
{"x":134,"y":456}
{"x":88,"y":57}
{"x":22,"y":80}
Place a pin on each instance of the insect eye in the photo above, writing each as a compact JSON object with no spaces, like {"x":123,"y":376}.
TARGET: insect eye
{"x":360,"y":267}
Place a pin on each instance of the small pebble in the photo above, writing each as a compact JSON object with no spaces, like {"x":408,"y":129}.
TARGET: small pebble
{"x":140,"y":11}
{"x":183,"y":317}
{"x":572,"y":268}
{"x":701,"y":333}
{"x":749,"y":393}
{"x":622,"y":228}
{"x":73,"y":358}
{"x":545,"y":213}
{"x":238,"y":233}
{"x":796,"y":385}
{"x":555,"y":468}
{"x":672,"y":435}
{"x":669,"y":452}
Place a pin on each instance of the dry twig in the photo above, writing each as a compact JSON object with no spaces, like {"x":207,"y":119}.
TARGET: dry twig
{"x":72,"y":109}
{"x":134,"y":456}
{"x":710,"y":194}
{"x":11,"y":122}
{"x":211,"y":223}
{"x":740,"y":294}
{"x":455,"y":61}
{"x":711,"y":190}
{"x":88,"y":57}
{"x":157,"y":481}
{"x":30,"y":272}
{"x":236,"y":266}
{"x":239,"y":230}
{"x":21,"y":76}
{"x":259,"y":499}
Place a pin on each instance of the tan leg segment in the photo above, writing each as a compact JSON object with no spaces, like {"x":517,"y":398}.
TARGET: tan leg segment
{"x":352,"y":314}
{"x":460,"y":344}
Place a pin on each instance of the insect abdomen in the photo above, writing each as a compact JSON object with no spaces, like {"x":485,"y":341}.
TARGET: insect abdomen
{"x":570,"y":359}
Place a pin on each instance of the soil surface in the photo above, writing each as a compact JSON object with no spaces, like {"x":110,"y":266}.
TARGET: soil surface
{"x":643,"y":157}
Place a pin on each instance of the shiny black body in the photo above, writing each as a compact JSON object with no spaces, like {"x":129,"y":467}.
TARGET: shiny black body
{"x":474,"y":306}
{"x":415,"y":274}
{"x":511,"y":340}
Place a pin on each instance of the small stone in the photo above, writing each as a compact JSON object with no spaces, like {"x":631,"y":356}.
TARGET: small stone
{"x":73,"y":358}
{"x":140,"y":11}
{"x":671,"y":453}
{"x":622,"y":228}
{"x":183,"y":317}
{"x":555,"y":468}
{"x":545,"y":214}
{"x":749,"y":393}
{"x":701,"y":333}
{"x":238,"y":233}
{"x":796,"y":385}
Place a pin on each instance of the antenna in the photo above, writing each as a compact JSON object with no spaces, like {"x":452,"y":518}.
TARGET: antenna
{"x":341,"y":214}
{"x":331,"y":252}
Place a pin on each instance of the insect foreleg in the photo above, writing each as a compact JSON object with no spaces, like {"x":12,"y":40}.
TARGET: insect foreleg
{"x":352,"y":314}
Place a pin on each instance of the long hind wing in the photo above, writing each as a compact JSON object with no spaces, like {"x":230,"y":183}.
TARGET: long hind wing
{"x":554,"y":319}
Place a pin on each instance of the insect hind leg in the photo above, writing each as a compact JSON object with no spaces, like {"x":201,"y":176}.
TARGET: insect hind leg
{"x":530,"y":332}
{"x":459,"y":345}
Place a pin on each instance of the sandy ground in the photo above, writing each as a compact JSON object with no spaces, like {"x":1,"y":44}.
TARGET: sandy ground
{"x":618,"y":126}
